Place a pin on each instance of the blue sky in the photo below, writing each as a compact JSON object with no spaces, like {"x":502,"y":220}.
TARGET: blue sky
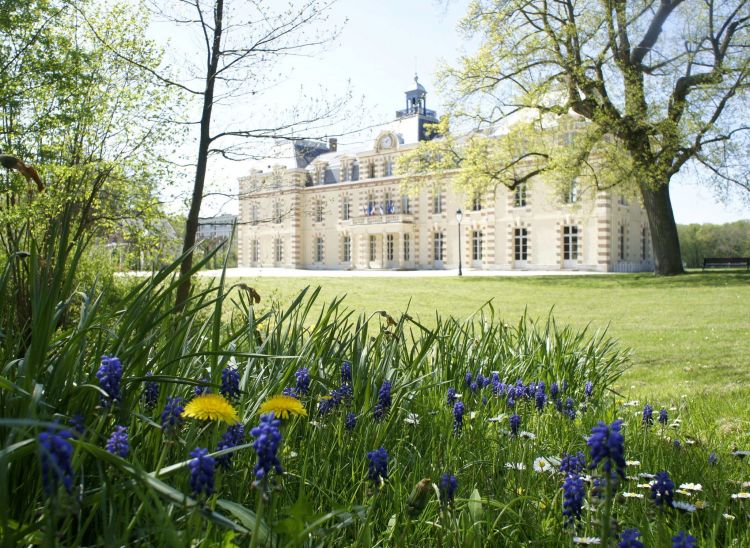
{"x":380,"y":46}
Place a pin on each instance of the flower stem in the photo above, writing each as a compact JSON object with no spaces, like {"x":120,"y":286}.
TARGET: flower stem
{"x":258,"y":516}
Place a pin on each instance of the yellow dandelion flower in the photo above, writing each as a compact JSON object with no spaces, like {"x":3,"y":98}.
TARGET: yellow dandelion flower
{"x":283,"y":406}
{"x":211,"y":407}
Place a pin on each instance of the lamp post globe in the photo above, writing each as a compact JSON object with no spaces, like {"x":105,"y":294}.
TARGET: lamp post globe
{"x":459,"y":216}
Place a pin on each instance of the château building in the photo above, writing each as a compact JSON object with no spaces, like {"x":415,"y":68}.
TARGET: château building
{"x":313,"y":206}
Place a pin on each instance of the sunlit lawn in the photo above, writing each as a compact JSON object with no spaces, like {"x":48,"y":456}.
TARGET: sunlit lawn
{"x":688,"y":334}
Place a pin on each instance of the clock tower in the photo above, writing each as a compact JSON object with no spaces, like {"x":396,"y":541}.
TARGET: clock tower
{"x":410,"y":121}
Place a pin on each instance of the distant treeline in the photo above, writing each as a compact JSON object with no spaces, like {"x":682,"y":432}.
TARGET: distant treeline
{"x":707,"y":240}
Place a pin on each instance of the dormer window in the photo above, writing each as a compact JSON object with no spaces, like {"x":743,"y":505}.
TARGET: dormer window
{"x":476,"y":203}
{"x":572,"y":195}
{"x":355,"y":170}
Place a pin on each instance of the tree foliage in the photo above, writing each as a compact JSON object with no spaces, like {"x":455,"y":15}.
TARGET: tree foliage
{"x":90,"y":123}
{"x":661,"y":85}
{"x":699,"y":241}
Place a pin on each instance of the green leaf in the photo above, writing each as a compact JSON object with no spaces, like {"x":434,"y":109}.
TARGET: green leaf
{"x":247,"y":518}
{"x":475,"y":506}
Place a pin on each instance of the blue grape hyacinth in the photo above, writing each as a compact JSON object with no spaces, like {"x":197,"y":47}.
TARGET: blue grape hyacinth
{"x":230,"y":383}
{"x":458,"y":417}
{"x":78,"y":424}
{"x":607,"y":447}
{"x":662,"y":489}
{"x":303,"y":380}
{"x":447,"y":486}
{"x":663,"y":417}
{"x":201,"y":389}
{"x":570,"y":409}
{"x":629,"y":539}
{"x":266,"y":445}
{"x":540,"y":397}
{"x":109,"y":375}
{"x":346,"y":373}
{"x":451,"y":396}
{"x":350,"y":421}
{"x":684,"y":540}
{"x":171,"y":417}
{"x":588,"y":389}
{"x":150,"y":392}
{"x":573,"y":496}
{"x":201,"y":469}
{"x":289,"y":391}
{"x":117,"y":444}
{"x":378,"y":465}
{"x":515,"y":423}
{"x":648,"y":415}
{"x":384,"y":401}
{"x":56,"y":452}
{"x":572,"y":464}
{"x":234,"y":436}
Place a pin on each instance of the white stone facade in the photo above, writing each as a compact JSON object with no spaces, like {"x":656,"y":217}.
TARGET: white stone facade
{"x":317,"y":208}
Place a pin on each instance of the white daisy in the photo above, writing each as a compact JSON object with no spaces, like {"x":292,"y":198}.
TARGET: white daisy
{"x":527,"y":435}
{"x":728,"y":517}
{"x":684,"y":492}
{"x":691,"y":486}
{"x":515,"y":466}
{"x":632,"y":495}
{"x":499,"y":418}
{"x":632,"y":403}
{"x":684,"y":506}
{"x":740,"y":496}
{"x":632,"y":463}
{"x":412,"y":418}
{"x":646,"y":475}
{"x":587,"y":540}
{"x":541,"y":464}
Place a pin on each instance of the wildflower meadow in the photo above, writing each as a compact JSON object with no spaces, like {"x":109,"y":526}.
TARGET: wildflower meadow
{"x":228,"y":422}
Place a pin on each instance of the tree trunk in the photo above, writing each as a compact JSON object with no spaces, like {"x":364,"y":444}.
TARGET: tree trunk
{"x":665,"y":242}
{"x":191,"y":225}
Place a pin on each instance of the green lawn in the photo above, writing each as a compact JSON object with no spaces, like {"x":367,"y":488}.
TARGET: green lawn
{"x":688,"y":334}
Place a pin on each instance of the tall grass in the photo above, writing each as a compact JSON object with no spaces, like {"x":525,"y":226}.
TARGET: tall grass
{"x":324,"y":496}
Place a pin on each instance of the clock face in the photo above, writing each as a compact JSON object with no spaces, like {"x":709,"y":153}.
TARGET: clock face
{"x":386,"y":142}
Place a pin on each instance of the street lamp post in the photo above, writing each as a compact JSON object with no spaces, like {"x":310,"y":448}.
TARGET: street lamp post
{"x":459,"y":216}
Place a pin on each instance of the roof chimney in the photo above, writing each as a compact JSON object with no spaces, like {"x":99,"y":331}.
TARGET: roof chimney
{"x":333,"y":144}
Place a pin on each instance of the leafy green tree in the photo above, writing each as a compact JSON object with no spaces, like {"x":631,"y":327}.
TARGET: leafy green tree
{"x":611,"y":93}
{"x":699,"y":241}
{"x":90,"y":124}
